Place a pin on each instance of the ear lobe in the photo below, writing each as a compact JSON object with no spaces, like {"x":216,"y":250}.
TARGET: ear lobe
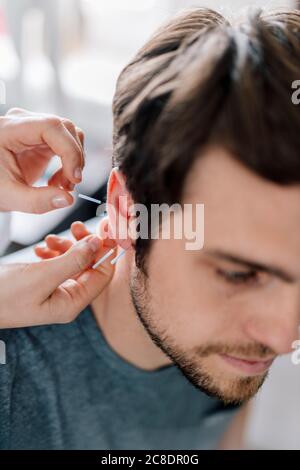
{"x":104,"y":232}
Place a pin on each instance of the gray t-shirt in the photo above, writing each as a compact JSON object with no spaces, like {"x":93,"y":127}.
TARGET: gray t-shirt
{"x":64,"y":387}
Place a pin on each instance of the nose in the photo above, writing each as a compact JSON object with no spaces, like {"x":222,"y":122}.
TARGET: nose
{"x":276,"y":323}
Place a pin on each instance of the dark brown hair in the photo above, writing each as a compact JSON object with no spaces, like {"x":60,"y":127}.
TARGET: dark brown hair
{"x":201,"y":80}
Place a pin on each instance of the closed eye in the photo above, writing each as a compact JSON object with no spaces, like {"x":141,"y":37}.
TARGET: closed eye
{"x":238,"y":277}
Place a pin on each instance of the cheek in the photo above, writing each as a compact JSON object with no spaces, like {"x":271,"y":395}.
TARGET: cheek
{"x":183,"y":305}
{"x":191,"y":305}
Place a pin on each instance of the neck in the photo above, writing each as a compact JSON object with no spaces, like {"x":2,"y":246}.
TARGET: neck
{"x":120,"y":325}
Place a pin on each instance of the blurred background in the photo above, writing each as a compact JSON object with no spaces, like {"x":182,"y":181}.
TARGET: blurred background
{"x":63,"y":57}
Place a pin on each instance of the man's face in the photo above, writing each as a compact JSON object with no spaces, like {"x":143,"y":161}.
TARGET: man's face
{"x":221,"y":320}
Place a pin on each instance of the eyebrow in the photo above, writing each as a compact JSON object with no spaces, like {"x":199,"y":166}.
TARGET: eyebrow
{"x":275,"y":271}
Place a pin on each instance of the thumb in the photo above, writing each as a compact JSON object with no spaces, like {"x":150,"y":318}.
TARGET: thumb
{"x":77,"y":259}
{"x":73,"y":295}
{"x":38,"y":200}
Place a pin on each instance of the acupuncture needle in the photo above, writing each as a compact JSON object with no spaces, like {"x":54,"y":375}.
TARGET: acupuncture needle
{"x":113,"y":261}
{"x":107,"y":255}
{"x":89,"y":198}
{"x":104,"y":257}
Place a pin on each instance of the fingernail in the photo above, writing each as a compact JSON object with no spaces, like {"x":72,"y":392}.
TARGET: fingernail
{"x":85,"y":276}
{"x":60,"y":201}
{"x":78,"y":173}
{"x":94,"y":243}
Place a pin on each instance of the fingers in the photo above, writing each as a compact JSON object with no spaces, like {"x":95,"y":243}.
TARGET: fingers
{"x":66,"y":146}
{"x":37,"y":200}
{"x":74,"y":295}
{"x":79,"y":230}
{"x":59,"y":180}
{"x":45,"y":253}
{"x":20,"y":129}
{"x":31,"y":139}
{"x":48,"y":294}
{"x":80,"y":257}
{"x":78,"y":135}
{"x":60,"y":244}
{"x":55,"y":246}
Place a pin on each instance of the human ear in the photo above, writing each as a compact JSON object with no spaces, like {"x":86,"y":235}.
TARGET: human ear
{"x":119,"y":202}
